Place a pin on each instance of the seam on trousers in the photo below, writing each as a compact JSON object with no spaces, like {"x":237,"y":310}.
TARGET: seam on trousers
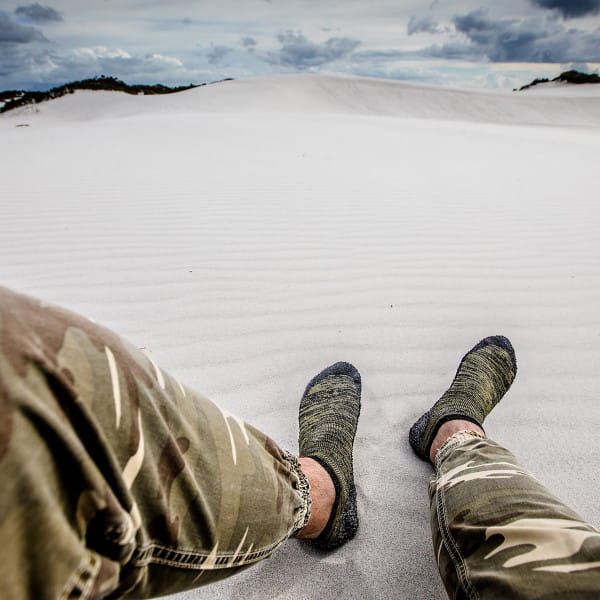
{"x":184,"y":559}
{"x":452,"y":548}
{"x":192,"y":559}
{"x":81,"y":582}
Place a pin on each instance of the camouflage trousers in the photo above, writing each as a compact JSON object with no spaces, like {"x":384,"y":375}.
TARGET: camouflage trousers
{"x":116,"y":480}
{"x":499,"y":534}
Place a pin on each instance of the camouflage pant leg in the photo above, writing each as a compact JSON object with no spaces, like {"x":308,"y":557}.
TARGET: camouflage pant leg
{"x":116,"y":481}
{"x":499,"y":534}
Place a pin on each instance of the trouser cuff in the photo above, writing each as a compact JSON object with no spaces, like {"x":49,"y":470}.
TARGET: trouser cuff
{"x":458,"y":439}
{"x":303,"y":488}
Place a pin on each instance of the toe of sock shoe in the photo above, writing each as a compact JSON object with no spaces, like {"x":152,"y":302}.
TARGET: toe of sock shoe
{"x":339,"y":368}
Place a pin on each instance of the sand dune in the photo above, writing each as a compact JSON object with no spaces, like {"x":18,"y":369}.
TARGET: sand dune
{"x":249,"y":233}
{"x":348,"y":96}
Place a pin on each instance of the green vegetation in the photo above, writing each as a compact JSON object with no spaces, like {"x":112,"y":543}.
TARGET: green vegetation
{"x":15,"y":98}
{"x":569,"y":77}
{"x":577,"y":77}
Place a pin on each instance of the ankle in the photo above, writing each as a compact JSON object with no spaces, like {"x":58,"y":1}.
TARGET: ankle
{"x":447,"y":430}
{"x":322,"y":496}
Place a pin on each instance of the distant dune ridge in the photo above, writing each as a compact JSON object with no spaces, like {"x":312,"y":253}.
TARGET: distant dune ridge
{"x":340,"y":95}
{"x":12,"y":99}
{"x":249,"y":233}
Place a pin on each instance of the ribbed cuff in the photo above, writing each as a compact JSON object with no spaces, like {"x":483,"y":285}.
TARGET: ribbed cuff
{"x":303,"y":488}
{"x":458,"y":439}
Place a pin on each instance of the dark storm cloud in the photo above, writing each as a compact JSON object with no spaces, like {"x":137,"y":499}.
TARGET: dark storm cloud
{"x":12,"y":59}
{"x":503,"y":40}
{"x":299,"y":52}
{"x":21,"y":47}
{"x":516,"y":40}
{"x":248,"y":42}
{"x":15,"y":33}
{"x":571,"y":8}
{"x":38,"y":13}
{"x":217,"y":54}
{"x":423,"y":24}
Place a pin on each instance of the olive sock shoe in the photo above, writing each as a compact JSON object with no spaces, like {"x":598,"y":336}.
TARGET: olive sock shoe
{"x":484,"y":375}
{"x":328,"y":417}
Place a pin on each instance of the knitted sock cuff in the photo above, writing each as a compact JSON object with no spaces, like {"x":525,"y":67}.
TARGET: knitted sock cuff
{"x":338,"y":493}
{"x":445,"y":420}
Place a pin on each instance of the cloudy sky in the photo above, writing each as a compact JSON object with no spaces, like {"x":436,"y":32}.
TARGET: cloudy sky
{"x":464,"y":43}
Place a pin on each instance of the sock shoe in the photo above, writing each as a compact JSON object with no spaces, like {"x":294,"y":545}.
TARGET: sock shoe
{"x":483,"y":376}
{"x":328,"y":418}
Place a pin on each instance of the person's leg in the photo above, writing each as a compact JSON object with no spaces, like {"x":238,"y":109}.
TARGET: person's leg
{"x":329,"y":412}
{"x":117,"y":481}
{"x":497,"y":532}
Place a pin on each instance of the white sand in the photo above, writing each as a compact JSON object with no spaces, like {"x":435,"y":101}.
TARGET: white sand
{"x":249,"y":233}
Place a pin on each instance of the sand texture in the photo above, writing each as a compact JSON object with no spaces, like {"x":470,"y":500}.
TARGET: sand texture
{"x":248,"y":234}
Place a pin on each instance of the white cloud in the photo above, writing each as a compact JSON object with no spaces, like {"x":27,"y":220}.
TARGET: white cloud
{"x":100,"y":52}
